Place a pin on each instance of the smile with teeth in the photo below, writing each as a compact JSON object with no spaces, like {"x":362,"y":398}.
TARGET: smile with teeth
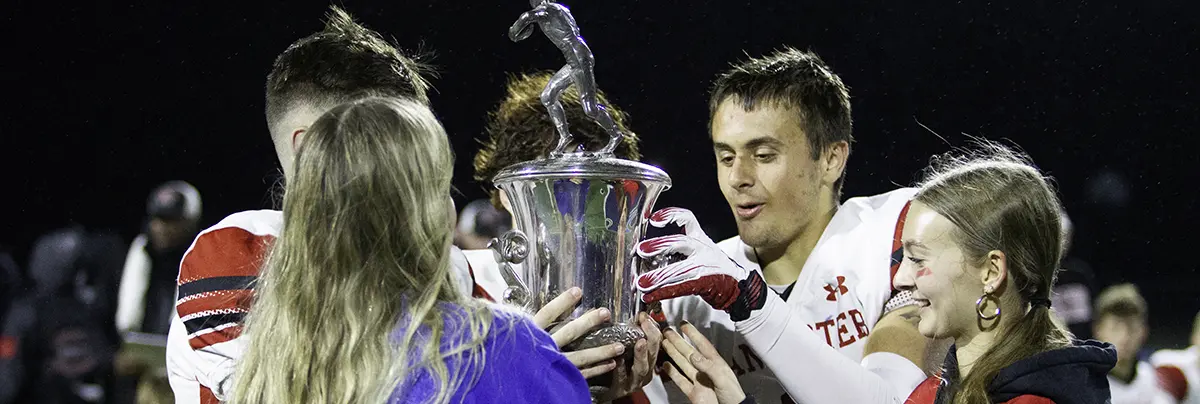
{"x":922,"y":303}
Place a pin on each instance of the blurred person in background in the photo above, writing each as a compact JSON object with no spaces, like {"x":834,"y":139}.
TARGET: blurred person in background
{"x":154,"y":388}
{"x":520,"y":129}
{"x":1072,"y":297}
{"x":59,"y":337}
{"x":12,"y":282}
{"x":146,"y":298}
{"x":1120,"y":319}
{"x":1179,"y":369}
{"x":479,"y":223}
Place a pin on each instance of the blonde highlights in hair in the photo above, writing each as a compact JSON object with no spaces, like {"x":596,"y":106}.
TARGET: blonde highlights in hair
{"x":364,"y":250}
{"x":998,"y":200}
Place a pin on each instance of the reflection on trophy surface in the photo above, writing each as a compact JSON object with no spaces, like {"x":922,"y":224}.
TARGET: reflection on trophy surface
{"x":579,"y":214}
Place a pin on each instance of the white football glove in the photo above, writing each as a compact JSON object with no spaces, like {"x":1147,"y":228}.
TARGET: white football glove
{"x":707,"y":272}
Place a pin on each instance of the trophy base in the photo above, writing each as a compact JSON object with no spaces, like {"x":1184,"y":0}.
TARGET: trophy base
{"x":607,"y":334}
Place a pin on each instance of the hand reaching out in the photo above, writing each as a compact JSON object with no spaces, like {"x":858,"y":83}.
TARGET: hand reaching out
{"x":699,"y":370}
{"x":591,"y":362}
{"x":598,"y":361}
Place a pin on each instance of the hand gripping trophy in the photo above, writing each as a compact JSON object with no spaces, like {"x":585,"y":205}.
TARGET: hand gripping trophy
{"x":579,"y":214}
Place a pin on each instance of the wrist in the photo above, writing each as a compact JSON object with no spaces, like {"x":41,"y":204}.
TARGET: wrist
{"x":752,"y":295}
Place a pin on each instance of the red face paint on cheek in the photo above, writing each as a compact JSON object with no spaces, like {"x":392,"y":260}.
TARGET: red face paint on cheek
{"x":923,"y":272}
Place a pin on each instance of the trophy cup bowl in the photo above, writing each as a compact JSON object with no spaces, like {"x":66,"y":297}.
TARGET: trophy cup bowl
{"x":579,"y":217}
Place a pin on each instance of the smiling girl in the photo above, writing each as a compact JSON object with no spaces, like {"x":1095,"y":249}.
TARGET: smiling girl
{"x":982,"y":243}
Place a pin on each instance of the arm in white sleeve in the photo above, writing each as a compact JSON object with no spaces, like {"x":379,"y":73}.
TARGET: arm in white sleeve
{"x":196,"y":373}
{"x":807,"y":367}
{"x":135,"y":279}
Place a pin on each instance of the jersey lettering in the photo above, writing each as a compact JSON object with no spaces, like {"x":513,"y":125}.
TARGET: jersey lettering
{"x":841,"y":328}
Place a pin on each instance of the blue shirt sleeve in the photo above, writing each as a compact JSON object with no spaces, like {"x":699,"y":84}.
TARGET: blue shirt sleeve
{"x":521,"y":364}
{"x":524,"y":365}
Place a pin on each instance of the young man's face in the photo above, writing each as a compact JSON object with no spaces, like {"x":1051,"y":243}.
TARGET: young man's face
{"x":168,"y":234}
{"x":1125,"y":333}
{"x":766,"y":172}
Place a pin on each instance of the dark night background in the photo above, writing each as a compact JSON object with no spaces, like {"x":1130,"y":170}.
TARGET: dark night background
{"x":107,"y":101}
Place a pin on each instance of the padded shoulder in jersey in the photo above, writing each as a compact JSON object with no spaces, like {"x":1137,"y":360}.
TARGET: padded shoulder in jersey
{"x":1170,"y":365}
{"x":479,"y":271}
{"x":217,"y":275}
{"x":890,"y":210}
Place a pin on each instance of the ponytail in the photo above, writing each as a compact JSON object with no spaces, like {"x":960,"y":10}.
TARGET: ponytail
{"x":1034,"y":333}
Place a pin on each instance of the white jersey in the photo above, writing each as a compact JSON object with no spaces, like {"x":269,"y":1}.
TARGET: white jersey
{"x":839,"y":294}
{"x":487,"y":273}
{"x":1143,"y":389}
{"x":215,"y":286}
{"x":1179,"y":372}
{"x":135,"y":280}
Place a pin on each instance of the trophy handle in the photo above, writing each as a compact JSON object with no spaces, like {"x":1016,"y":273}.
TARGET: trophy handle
{"x":512,"y":248}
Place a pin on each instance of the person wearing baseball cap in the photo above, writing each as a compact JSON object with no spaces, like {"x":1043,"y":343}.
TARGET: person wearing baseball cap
{"x":147,"y":292}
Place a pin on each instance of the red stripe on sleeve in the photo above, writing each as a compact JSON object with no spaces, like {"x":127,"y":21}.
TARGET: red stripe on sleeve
{"x":926,"y":392}
{"x":229,"y":251}
{"x":207,"y":397}
{"x":1171,"y":379}
{"x":215,"y":337}
{"x":226,"y":300}
{"x":477,"y":290}
{"x":898,"y":243}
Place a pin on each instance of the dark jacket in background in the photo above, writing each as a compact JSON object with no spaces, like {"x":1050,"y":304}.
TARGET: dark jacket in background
{"x":59,"y":337}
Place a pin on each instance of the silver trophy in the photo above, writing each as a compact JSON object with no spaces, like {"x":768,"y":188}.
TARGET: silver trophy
{"x":579,"y":214}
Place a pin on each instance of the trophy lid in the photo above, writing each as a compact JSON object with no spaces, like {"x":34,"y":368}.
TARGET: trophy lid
{"x":582,"y":165}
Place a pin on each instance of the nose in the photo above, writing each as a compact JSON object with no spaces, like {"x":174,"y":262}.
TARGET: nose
{"x":905,"y":277}
{"x":741,"y":174}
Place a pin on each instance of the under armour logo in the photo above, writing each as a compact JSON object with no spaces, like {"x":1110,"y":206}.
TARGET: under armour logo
{"x":841,"y":289}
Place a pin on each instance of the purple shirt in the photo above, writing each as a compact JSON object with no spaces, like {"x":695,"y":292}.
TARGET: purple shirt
{"x":521,"y":364}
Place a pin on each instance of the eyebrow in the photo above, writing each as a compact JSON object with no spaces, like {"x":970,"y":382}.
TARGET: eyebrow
{"x":751,"y":144}
{"x":911,"y":244}
{"x":764,"y":141}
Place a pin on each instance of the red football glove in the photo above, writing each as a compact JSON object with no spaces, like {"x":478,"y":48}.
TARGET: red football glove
{"x":707,"y":272}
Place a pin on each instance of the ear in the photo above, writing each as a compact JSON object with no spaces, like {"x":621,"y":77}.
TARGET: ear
{"x":995,"y":269}
{"x":833,"y":160}
{"x":297,"y":136}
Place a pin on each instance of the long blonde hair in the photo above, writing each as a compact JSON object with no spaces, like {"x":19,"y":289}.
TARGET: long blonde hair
{"x":354,"y":294}
{"x":998,"y":200}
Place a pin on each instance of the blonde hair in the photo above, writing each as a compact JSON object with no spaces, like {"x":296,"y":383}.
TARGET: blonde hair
{"x":998,"y":200}
{"x":354,"y":294}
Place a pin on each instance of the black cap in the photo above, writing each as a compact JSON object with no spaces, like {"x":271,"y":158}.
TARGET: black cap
{"x":174,"y":200}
